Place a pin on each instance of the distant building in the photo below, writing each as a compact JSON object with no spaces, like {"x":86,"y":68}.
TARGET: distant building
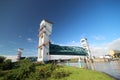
{"x":115,"y":53}
{"x":106,"y":56}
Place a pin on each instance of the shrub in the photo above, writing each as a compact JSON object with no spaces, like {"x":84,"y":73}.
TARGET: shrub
{"x":60,"y":73}
{"x":1,"y":73}
{"x":33,"y":76}
{"x":25,"y":68}
{"x":10,"y":76}
{"x":7,"y":65}
{"x":45,"y":71}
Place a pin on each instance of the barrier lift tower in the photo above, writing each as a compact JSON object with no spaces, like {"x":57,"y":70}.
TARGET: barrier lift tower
{"x":85,"y":45}
{"x":44,"y":40}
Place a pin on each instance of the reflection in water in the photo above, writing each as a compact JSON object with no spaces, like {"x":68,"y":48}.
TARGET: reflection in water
{"x":112,"y":68}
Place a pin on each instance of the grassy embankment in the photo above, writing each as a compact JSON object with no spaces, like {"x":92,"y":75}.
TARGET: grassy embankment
{"x":27,"y":70}
{"x":79,"y":74}
{"x":83,"y":74}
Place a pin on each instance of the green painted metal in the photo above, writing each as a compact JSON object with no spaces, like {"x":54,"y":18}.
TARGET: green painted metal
{"x":67,"y":50}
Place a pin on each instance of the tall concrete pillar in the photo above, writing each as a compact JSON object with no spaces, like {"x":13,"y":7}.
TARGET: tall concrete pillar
{"x":85,"y":45}
{"x":44,"y":40}
{"x":89,"y":59}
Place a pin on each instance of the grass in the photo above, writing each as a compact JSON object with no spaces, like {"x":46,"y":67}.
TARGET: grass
{"x":83,"y":74}
{"x":49,"y":70}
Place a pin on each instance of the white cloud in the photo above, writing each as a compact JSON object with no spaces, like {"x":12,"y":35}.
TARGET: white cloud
{"x":29,"y":39}
{"x":104,"y":49}
{"x":114,"y":44}
{"x":98,"y":51}
{"x":72,"y":43}
{"x":99,"y":37}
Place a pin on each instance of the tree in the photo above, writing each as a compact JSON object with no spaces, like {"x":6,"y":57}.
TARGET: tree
{"x":2,"y":59}
{"x":22,"y":72}
{"x":7,"y":64}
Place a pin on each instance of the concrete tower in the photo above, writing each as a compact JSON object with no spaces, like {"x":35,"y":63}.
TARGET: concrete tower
{"x":44,"y":40}
{"x":19,"y":53}
{"x":85,"y":45}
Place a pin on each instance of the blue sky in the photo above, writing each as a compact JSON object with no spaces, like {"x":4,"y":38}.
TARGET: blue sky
{"x":97,"y":20}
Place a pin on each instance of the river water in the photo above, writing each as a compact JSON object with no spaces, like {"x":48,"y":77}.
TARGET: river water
{"x":112,"y":68}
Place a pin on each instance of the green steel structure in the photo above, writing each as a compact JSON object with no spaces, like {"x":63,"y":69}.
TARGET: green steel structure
{"x":67,"y":50}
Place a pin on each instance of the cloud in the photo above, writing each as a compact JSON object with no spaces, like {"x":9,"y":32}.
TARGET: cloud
{"x":98,"y":51}
{"x":74,"y":43}
{"x":114,"y":44}
{"x":103,"y":49}
{"x":29,"y":39}
{"x":99,"y":37}
{"x":71,"y":43}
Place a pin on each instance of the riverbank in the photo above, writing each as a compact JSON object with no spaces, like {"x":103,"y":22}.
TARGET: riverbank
{"x":111,"y":76}
{"x":84,"y":74}
{"x":27,"y":70}
{"x":111,"y":68}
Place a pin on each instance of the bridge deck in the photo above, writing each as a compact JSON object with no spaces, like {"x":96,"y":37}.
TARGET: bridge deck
{"x":67,"y":50}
